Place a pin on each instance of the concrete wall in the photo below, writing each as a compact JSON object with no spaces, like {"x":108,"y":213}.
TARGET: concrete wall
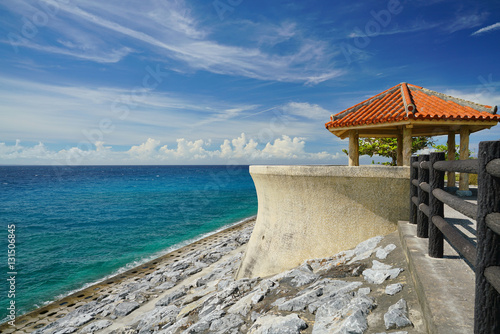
{"x":309,"y":212}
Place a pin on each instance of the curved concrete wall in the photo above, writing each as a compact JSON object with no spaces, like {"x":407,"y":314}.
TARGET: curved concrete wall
{"x":307,"y":212}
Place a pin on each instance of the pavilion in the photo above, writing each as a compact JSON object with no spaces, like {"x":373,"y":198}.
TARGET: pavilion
{"x":405,"y":111}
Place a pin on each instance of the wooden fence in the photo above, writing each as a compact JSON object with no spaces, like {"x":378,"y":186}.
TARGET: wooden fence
{"x":427,"y":199}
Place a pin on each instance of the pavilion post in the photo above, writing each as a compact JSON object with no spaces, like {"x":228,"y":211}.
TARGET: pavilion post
{"x":353,"y":148}
{"x":451,"y":157}
{"x":400,"y":150}
{"x":407,"y":142}
{"x":464,"y":154}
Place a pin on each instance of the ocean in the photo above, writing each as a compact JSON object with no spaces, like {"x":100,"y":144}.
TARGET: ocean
{"x":64,"y":228}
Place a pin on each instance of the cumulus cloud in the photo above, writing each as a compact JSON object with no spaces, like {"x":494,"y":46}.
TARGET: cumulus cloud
{"x":145,"y":150}
{"x":285,"y":148}
{"x":240,"y":150}
{"x":186,"y":150}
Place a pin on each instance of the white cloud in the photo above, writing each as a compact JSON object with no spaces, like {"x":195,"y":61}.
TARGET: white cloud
{"x":56,"y":113}
{"x":105,"y":56}
{"x":285,"y":148}
{"x":241,"y":150}
{"x":483,"y":94}
{"x":107,"y":31}
{"x":306,"y":110}
{"x":145,"y":150}
{"x":489,"y":28}
{"x":465,"y":22}
{"x":190,"y":150}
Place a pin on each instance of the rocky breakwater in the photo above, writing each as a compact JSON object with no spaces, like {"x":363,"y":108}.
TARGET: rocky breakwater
{"x":364,"y":290}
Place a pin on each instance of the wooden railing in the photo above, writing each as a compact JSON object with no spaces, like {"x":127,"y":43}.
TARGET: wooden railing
{"x":427,"y":199}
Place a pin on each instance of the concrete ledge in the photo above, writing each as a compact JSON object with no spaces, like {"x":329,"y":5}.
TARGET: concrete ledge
{"x":308,"y":212}
{"x":445,"y":287}
{"x":334,"y":171}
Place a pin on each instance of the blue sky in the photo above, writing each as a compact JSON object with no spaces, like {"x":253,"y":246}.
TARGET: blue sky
{"x":224,"y":81}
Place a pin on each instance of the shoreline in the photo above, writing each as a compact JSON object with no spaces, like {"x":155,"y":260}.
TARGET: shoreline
{"x":92,"y":291}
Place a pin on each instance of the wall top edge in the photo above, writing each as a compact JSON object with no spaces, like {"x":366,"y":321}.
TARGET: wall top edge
{"x":332,"y":171}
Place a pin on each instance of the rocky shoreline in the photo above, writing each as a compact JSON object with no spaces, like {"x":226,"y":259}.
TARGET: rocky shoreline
{"x":364,"y":290}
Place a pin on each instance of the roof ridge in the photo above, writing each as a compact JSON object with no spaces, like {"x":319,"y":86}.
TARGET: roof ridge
{"x":407,"y":100}
{"x":356,"y":107}
{"x":480,"y":107}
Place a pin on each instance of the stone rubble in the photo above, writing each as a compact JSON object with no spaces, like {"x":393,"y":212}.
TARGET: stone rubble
{"x":199,"y":294}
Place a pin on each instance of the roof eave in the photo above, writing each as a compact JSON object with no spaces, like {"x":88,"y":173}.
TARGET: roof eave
{"x":430,"y":127}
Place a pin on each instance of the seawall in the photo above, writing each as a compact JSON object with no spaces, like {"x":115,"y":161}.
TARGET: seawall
{"x":307,"y":212}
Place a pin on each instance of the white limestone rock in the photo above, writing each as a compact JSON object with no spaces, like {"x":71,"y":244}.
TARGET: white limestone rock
{"x":343,"y":314}
{"x":290,"y":324}
{"x":383,"y":252}
{"x":392,"y":289}
{"x":172,"y":297}
{"x":397,"y":316}
{"x":226,"y":324}
{"x":96,"y":326}
{"x":125,"y":308}
{"x":380,"y":272}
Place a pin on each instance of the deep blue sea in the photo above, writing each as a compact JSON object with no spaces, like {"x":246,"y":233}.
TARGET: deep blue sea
{"x":76,"y":225}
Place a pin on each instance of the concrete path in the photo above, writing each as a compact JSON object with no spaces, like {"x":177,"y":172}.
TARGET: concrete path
{"x":445,"y":287}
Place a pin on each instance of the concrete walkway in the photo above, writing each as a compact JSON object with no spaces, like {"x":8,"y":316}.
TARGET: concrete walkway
{"x":445,"y":287}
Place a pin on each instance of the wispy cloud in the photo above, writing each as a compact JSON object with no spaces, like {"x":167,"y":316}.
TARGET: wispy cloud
{"x":489,"y":28}
{"x":306,"y":110}
{"x":419,"y":25}
{"x":111,"y":56}
{"x":462,"y":22}
{"x":172,"y":31}
{"x":62,"y":113}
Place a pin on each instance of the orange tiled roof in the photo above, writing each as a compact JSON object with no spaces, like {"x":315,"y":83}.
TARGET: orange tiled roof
{"x":404,"y":102}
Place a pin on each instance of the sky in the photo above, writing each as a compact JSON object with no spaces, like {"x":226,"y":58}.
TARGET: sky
{"x":224,"y":81}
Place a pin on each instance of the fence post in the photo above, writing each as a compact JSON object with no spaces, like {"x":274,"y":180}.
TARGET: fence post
{"x":436,"y":207}
{"x":487,"y":304}
{"x":423,"y":197}
{"x":413,"y":190}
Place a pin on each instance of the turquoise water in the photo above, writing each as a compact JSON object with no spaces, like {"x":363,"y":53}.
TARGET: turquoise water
{"x":76,"y":225}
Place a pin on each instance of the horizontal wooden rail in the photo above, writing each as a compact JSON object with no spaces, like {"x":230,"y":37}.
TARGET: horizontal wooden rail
{"x":493,"y":222}
{"x":493,"y":276}
{"x":493,"y":167}
{"x":425,"y":209}
{"x":456,"y":238}
{"x":425,"y":164}
{"x":427,"y":212}
{"x":464,"y":207}
{"x":460,"y":166}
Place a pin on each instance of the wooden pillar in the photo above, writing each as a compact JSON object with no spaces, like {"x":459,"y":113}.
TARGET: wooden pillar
{"x":436,"y":207}
{"x":400,"y":149}
{"x":423,"y":198}
{"x":487,"y":305}
{"x":353,"y":148}
{"x":451,"y":157}
{"x":407,"y":141}
{"x":464,"y":154}
{"x":413,"y":190}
